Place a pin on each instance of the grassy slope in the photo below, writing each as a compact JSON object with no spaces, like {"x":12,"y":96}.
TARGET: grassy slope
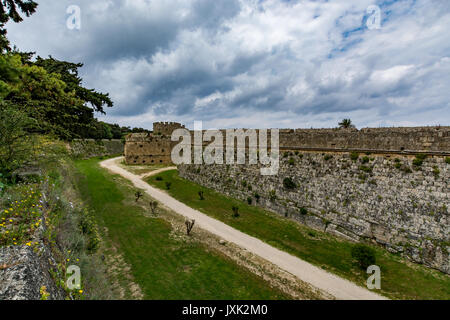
{"x":165,"y":268}
{"x":399,"y":279}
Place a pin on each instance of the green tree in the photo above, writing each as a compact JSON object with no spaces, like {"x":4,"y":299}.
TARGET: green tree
{"x":15,"y":146}
{"x":346,"y":123}
{"x":9,"y":9}
{"x":365,"y":255}
{"x":50,"y":91}
{"x":69,"y":74}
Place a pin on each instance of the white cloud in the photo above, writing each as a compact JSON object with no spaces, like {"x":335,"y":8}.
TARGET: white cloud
{"x":256,"y":63}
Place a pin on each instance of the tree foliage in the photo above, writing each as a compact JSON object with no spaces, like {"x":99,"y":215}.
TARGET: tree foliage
{"x":15,"y":146}
{"x":9,"y":10}
{"x":346,"y":124}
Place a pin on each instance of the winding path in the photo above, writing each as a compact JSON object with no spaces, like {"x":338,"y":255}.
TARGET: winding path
{"x":336,"y":286}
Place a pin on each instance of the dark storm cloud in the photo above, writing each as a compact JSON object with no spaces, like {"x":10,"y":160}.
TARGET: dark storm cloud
{"x":255,"y":63}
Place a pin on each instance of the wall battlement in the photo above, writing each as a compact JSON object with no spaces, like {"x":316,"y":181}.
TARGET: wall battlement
{"x":141,"y":148}
{"x":166,"y":128}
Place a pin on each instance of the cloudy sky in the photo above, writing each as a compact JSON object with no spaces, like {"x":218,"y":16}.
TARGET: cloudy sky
{"x":255,"y":63}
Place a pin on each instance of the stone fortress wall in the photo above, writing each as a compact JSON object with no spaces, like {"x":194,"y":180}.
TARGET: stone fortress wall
{"x":156,"y":147}
{"x":358,"y":184}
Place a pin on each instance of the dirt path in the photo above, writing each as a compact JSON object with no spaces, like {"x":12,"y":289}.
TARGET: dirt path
{"x":332,"y":284}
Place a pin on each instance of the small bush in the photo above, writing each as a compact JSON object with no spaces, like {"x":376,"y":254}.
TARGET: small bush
{"x":235,"y":212}
{"x":365,"y":255}
{"x":365,"y":159}
{"x":291,"y":161}
{"x":201,"y":195}
{"x":303,"y":211}
{"x":249,"y":200}
{"x":154,"y":206}
{"x":365,"y":169}
{"x":138,"y":194}
{"x":286,"y":154}
{"x":354,"y":156}
{"x":168,"y":185}
{"x":89,"y":228}
{"x":447,"y":160}
{"x":272,"y":195}
{"x":328,"y":157}
{"x":418,"y":161}
{"x":436,"y":172}
{"x":159,"y":178}
{"x":289,"y":184}
{"x":257,"y":197}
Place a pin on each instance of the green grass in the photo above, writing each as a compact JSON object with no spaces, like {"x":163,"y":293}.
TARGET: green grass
{"x":165,"y":268}
{"x":399,"y":279}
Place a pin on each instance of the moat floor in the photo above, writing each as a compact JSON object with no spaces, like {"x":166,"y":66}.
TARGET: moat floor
{"x":338,"y":287}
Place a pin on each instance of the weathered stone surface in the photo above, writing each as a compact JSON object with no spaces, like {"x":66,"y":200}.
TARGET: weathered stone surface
{"x":377,"y":199}
{"x":89,"y":148}
{"x":23,"y":272}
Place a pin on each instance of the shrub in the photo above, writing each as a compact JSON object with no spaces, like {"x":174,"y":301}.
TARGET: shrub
{"x":354,"y":156}
{"x":249,"y":200}
{"x":447,"y":160}
{"x":154,"y":206}
{"x":168,"y":185}
{"x":436,"y":172}
{"x":138,"y":195}
{"x":364,"y":255}
{"x":291,"y":162}
{"x":272,"y":195}
{"x":365,"y":159}
{"x":289,"y":184}
{"x":418,"y":161}
{"x":303,"y":211}
{"x":235,"y":212}
{"x":201,"y":195}
{"x":257,"y":197}
{"x":327,"y":157}
{"x":15,"y":142}
{"x":286,"y":154}
{"x":159,"y":178}
{"x":365,"y":169}
{"x":89,"y":228}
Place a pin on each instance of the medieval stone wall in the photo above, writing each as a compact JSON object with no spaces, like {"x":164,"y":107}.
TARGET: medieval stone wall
{"x":143,"y":148}
{"x":382,"y":197}
{"x":384,"y":194}
{"x":165,"y":128}
{"x":425,"y":139}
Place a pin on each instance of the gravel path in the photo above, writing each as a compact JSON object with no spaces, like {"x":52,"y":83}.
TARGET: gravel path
{"x":338,"y":287}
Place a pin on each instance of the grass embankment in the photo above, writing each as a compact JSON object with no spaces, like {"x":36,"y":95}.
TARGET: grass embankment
{"x":40,"y":210}
{"x":163,"y":266}
{"x":399,"y":278}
